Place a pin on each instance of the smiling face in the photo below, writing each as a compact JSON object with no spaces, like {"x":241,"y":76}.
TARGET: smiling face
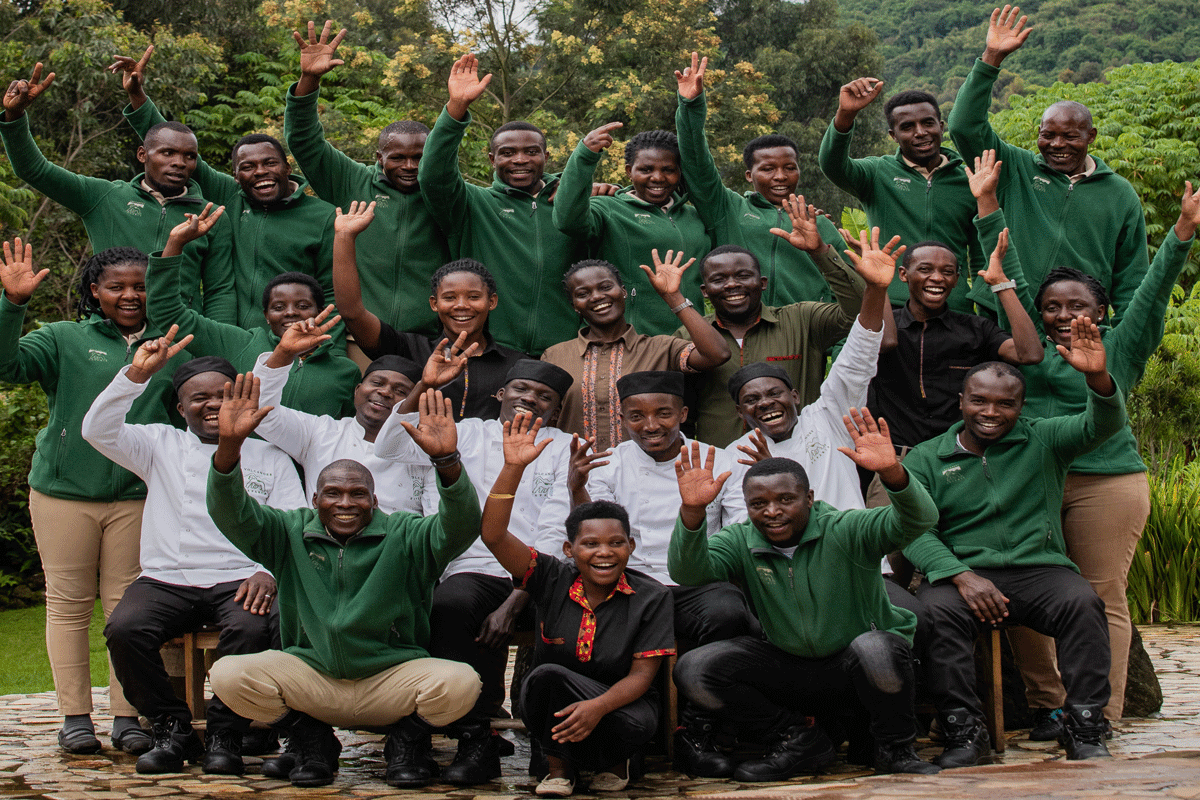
{"x":918,"y":130}
{"x":1064,"y":136}
{"x":376,"y":395}
{"x":200,"y":399}
{"x":288,"y":304}
{"x":653,"y":420}
{"x":597,"y":296}
{"x":121,"y":293}
{"x":1064,"y":301}
{"x":344,"y":500}
{"x":931,"y":274}
{"x":263,"y":173}
{"x":774,"y":173}
{"x":169,"y":159}
{"x":768,"y":403}
{"x":655,"y":175}
{"x":399,"y":156}
{"x":990,"y":403}
{"x":519,"y":158}
{"x":734,"y":285}
{"x":525,"y":395}
{"x":779,"y":507}
{"x":600,"y":551}
{"x":462,"y":303}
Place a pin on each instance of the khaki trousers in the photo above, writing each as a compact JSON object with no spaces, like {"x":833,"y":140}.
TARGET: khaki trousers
{"x":84,"y":546}
{"x":1103,"y":518}
{"x":265,"y":686}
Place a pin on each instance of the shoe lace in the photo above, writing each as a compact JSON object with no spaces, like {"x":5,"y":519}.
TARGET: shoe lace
{"x":958,"y":736}
{"x":225,"y":739}
{"x":1086,"y":734}
{"x":164,"y":734}
{"x":702,"y":737}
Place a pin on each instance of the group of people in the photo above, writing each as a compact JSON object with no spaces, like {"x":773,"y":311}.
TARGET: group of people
{"x":369,"y":496}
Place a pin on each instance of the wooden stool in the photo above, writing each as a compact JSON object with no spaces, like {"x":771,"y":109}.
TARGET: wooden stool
{"x":993,"y":689}
{"x":193,"y":649}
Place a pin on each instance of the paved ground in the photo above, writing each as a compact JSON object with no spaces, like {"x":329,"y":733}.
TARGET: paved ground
{"x":1153,"y":758}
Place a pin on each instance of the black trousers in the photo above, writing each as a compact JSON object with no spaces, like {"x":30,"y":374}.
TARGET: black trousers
{"x":619,"y":735}
{"x":760,"y":689}
{"x":1054,"y":601}
{"x":711,"y":613}
{"x":152,"y":612}
{"x":902,"y":598}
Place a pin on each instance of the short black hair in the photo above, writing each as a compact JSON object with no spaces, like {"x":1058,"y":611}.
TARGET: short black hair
{"x":1001,"y":368}
{"x":154,"y":130}
{"x":94,"y":268}
{"x":588,"y":263}
{"x":728,"y":248}
{"x":1065,"y":274}
{"x":910,"y":97}
{"x":350,"y":465}
{"x":908,"y":254}
{"x":462,"y":265}
{"x":1077,"y":110}
{"x":651,"y":140}
{"x":401,"y":128}
{"x":766,"y":142}
{"x":257,"y":138}
{"x":294,"y":277}
{"x":516,"y":125}
{"x":597,"y":509}
{"x":777,"y":466}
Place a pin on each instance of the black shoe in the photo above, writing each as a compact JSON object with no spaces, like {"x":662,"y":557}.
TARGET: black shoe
{"x":900,"y":757}
{"x":223,"y":752}
{"x":799,"y":749}
{"x":78,"y":740}
{"x":1047,"y":724}
{"x":173,"y":744}
{"x":697,"y":754}
{"x":407,"y":751}
{"x":134,"y":740}
{"x":313,"y":749}
{"x":280,"y":766}
{"x":259,"y":742}
{"x":1083,"y":733}
{"x":966,"y":738}
{"x":477,"y":759}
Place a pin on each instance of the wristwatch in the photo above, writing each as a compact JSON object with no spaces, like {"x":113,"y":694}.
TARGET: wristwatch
{"x":1000,"y":287}
{"x":685,"y":304}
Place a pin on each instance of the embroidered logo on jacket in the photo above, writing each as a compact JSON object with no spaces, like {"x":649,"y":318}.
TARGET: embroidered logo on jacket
{"x":97,"y":355}
{"x":381,"y":200}
{"x":134,"y":209}
{"x":1040,"y":184}
{"x":953,"y":474}
{"x":901,"y":184}
{"x":642,"y":219}
{"x":258,"y":483}
{"x":766,"y":575}
{"x":542,"y":481}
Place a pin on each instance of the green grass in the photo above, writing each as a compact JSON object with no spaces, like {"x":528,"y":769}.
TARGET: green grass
{"x":25,"y":668}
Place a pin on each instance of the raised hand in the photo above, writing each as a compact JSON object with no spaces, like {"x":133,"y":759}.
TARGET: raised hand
{"x":21,"y":93}
{"x":667,"y":275}
{"x":697,"y":486}
{"x":133,"y":75}
{"x":995,"y":272}
{"x":691,"y":80}
{"x":757,"y":450}
{"x":240,"y":414}
{"x":465,"y":85}
{"x":1006,"y":33}
{"x":804,"y":234}
{"x":873,"y":448}
{"x":1086,"y":353}
{"x":154,"y":354}
{"x":851,"y":240}
{"x":582,"y":462}
{"x":601,"y":189}
{"x":858,"y":94}
{"x":307,"y":334}
{"x":986,"y":175}
{"x":520,"y":440}
{"x":601,"y":139}
{"x":194,"y":226}
{"x":317,"y":55}
{"x":17,"y":275}
{"x":1189,"y":213}
{"x":447,"y":361}
{"x":876,"y":264}
{"x":435,"y":431}
{"x":356,"y":219}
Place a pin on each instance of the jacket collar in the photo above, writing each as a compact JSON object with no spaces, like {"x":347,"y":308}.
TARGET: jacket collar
{"x":547,"y":191}
{"x":1102,"y":170}
{"x":947,"y":444}
{"x":314,"y":531}
{"x":190,"y":196}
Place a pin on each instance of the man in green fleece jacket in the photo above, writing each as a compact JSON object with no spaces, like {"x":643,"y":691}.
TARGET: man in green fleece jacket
{"x":357,"y":585}
{"x":509,"y":226}
{"x":812,"y":574}
{"x":997,"y":557}
{"x":136,"y":213}
{"x":1066,"y":207}
{"x":918,"y":194}
{"x":404,"y":247}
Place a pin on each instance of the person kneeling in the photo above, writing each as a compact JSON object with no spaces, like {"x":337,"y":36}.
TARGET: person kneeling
{"x":355,"y":590}
{"x":812,"y":573}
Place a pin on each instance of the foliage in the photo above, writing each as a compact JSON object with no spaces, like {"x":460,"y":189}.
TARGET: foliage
{"x":23,"y":642}
{"x":1164,"y":579}
{"x":23,"y":413}
{"x":1164,"y":407}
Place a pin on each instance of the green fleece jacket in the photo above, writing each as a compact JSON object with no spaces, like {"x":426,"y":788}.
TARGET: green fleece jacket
{"x":357,"y":608}
{"x":123,"y":214}
{"x":401,"y":249}
{"x":294,"y":234}
{"x":1095,"y":225}
{"x":815,"y":603}
{"x":746,"y":220}
{"x":1054,"y":389}
{"x":73,"y":362}
{"x":623,"y":230}
{"x":513,"y":233}
{"x":901,"y":201}
{"x":321,"y":383}
{"x":1004,"y":509}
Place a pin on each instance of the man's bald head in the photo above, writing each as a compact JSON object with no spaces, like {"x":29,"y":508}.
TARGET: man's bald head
{"x":1071,"y":110}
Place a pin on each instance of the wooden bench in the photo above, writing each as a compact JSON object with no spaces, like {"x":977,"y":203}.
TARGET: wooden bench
{"x":188,"y":654}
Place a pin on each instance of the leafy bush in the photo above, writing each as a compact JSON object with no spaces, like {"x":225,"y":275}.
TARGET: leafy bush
{"x":1164,"y":408}
{"x":23,"y":413}
{"x":1164,"y":579}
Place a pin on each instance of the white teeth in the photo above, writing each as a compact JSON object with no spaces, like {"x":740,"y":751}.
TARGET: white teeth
{"x":734,"y":298}
{"x":772,"y":416}
{"x":602,"y":307}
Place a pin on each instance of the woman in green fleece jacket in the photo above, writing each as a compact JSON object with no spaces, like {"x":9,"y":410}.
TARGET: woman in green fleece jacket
{"x":87,"y":511}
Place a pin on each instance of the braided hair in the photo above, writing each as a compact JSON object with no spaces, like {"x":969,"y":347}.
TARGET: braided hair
{"x":463,"y":265}
{"x":1062,"y":274}
{"x":588,"y":263}
{"x":93,"y":270}
{"x":651,"y":140}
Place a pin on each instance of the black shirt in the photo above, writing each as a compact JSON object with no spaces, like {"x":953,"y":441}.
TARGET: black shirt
{"x":635,"y":621}
{"x":479,"y":382}
{"x":917,"y":384}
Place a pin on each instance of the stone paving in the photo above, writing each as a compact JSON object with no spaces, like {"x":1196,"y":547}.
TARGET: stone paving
{"x":1153,"y":758}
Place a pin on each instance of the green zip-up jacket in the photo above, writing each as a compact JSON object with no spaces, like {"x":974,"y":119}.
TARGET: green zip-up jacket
{"x":513,"y":233}
{"x":901,"y":201}
{"x":403,"y":246}
{"x":1054,"y":389}
{"x":1004,"y":509}
{"x":321,"y":383}
{"x":123,"y":214}
{"x":73,"y":362}
{"x":623,"y":230}
{"x":746,"y":220}
{"x":815,"y":603}
{"x":294,"y":234}
{"x":1095,"y":225}
{"x":361,"y":607}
